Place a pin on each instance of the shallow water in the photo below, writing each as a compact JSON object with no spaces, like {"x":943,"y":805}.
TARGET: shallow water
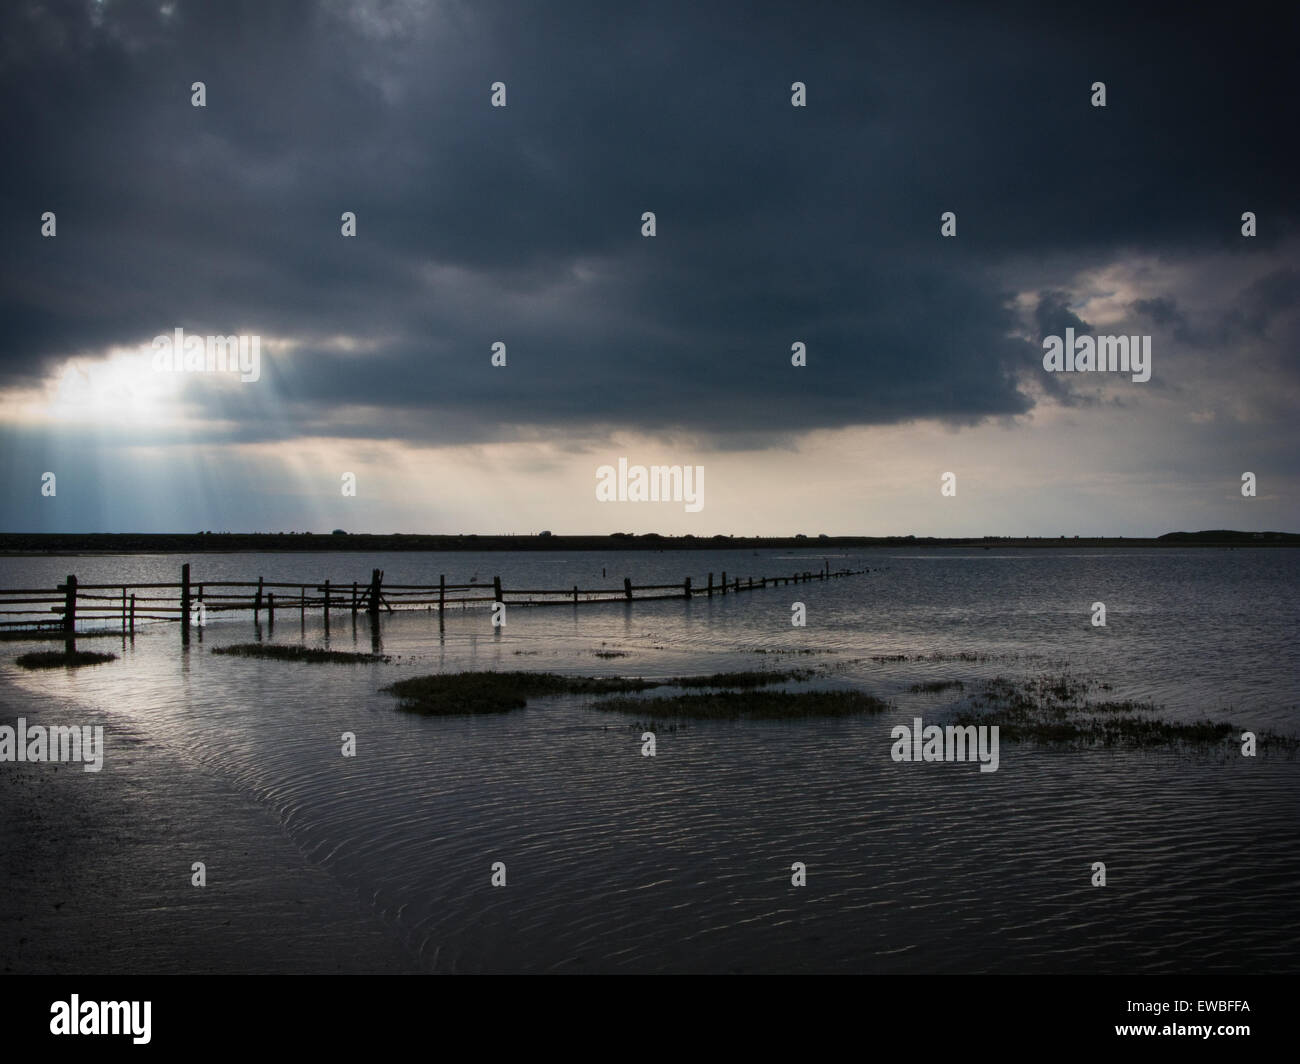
{"x":682,"y":862}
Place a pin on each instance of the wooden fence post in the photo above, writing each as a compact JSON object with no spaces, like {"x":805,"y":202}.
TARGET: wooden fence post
{"x":70,"y":604}
{"x":496,"y":588}
{"x":575,"y":594}
{"x":627,"y":587}
{"x":724,"y":581}
{"x":442,"y":598}
{"x":373,"y":604}
{"x":133,"y":614}
{"x":270,"y":608}
{"x":185,"y":603}
{"x":710,"y":585}
{"x":354,"y":598}
{"x":257,"y":601}
{"x":688,"y":589}
{"x":123,"y":609}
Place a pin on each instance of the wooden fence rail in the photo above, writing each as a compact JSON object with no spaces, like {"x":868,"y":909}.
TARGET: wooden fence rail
{"x":191,"y":601}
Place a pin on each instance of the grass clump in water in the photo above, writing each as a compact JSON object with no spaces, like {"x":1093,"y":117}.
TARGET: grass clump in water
{"x":497,"y":692}
{"x":750,"y":705}
{"x":739,"y":679}
{"x":1056,"y":709}
{"x":311,"y":655}
{"x":54,"y":659}
{"x":934,"y":686}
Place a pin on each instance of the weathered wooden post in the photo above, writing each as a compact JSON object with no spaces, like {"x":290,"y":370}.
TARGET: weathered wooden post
{"x":496,"y":588}
{"x":270,"y":608}
{"x":327,"y":607}
{"x":133,"y":614}
{"x":124,"y":609}
{"x":354,"y":598}
{"x":575,"y":594}
{"x":442,"y":599}
{"x":185,"y":603}
{"x":724,"y":581}
{"x":257,"y":601}
{"x":710,"y":585}
{"x":376,"y":578}
{"x":688,"y":589}
{"x":70,"y":604}
{"x":302,"y":605}
{"x":627,"y":588}
{"x":751,"y":583}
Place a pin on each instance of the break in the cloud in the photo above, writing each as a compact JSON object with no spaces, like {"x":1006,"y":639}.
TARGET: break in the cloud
{"x":522,"y":224}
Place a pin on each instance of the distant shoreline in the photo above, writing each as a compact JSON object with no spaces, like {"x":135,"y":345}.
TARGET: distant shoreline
{"x":18,"y":543}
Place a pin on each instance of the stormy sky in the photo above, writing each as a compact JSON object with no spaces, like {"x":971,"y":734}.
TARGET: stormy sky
{"x":522,"y":224}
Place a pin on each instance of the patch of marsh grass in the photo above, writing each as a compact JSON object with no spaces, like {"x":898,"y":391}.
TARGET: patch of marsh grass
{"x":55,"y":659}
{"x":749,"y":705}
{"x":497,"y":692}
{"x":290,"y":652}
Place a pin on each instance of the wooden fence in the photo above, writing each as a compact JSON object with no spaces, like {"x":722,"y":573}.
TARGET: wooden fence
{"x":193,"y":601}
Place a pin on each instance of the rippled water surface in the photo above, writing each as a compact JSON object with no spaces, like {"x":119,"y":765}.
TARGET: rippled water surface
{"x":682,"y":862}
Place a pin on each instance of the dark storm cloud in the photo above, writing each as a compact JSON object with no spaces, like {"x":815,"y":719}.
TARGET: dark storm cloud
{"x":522,"y":224}
{"x":1052,"y":316}
{"x":1253,"y":315}
{"x":1161,"y":310}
